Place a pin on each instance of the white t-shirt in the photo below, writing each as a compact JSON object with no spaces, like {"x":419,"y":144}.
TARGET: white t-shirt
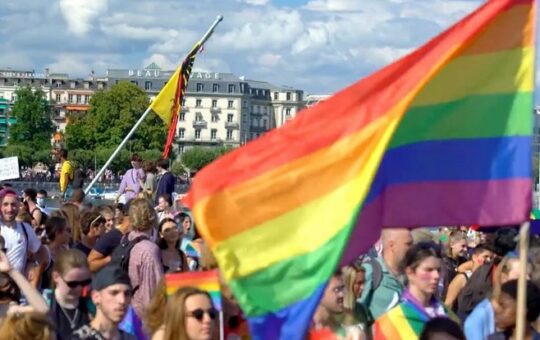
{"x":16,"y":244}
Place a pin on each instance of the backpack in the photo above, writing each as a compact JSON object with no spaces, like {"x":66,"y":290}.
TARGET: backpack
{"x":476,"y":289}
{"x":78,"y":179}
{"x":121,"y":254}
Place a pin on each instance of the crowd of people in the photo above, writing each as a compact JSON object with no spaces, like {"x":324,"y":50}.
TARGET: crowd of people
{"x":88,"y":272}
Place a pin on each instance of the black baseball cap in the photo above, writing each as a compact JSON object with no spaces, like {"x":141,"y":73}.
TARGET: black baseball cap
{"x":108,"y":276}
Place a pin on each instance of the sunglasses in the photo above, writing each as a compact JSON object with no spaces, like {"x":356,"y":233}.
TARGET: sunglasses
{"x":74,"y":284}
{"x":199,"y":313}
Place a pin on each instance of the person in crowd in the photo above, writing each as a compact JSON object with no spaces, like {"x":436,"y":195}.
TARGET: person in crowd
{"x":108,"y":215}
{"x":455,"y":254}
{"x":77,"y":198}
{"x":155,"y":313}
{"x":130,"y":185}
{"x":149,"y":184}
{"x":119,"y":214}
{"x":381,"y":296}
{"x":423,"y":265}
{"x":101,"y":253}
{"x":189,"y":315}
{"x":441,"y":328}
{"x":68,"y":308}
{"x":173,"y":259}
{"x":58,"y":236}
{"x":29,"y":325}
{"x":21,"y":242}
{"x":40,"y":198}
{"x":30,"y":197}
{"x":145,"y":268}
{"x":481,"y":322}
{"x":12,"y":284}
{"x":354,"y":277}
{"x":111,"y":293}
{"x":66,"y":173}
{"x":506,"y":308}
{"x":165,"y":179}
{"x":93,"y":226}
{"x":164,"y":208}
{"x":481,"y":254}
{"x":73,"y":215}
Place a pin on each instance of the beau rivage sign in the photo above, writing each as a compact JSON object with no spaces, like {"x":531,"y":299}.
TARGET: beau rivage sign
{"x":167,"y":74}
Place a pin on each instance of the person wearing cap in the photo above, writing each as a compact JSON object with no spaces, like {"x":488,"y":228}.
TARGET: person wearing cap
{"x":111,"y":293}
{"x":131,"y":182}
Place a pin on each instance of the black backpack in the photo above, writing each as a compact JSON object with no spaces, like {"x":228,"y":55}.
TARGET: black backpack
{"x":476,"y":289}
{"x":121,"y":254}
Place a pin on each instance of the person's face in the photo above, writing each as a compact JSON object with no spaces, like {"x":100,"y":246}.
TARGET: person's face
{"x":332,"y":299}
{"x":186,"y":225}
{"x":459,"y":248}
{"x":358,"y":284}
{"x":63,"y":236}
{"x":118,"y":215}
{"x":200,"y":325}
{"x":136,"y":164}
{"x":402,"y":243}
{"x":484,"y":257}
{"x":505,"y":312}
{"x":426,"y":276}
{"x":513,"y":271}
{"x":163,"y":204}
{"x":96,"y":230}
{"x":109,"y":220}
{"x":72,"y":282}
{"x":113,"y":301}
{"x":10,"y":208}
{"x":170,"y":232}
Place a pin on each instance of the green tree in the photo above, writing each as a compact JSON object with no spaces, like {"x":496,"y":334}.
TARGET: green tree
{"x":198,"y":157}
{"x":111,"y":116}
{"x":34,"y":126}
{"x":23,"y":152}
{"x":178,"y":168}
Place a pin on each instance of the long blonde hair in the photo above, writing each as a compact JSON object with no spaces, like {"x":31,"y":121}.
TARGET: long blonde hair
{"x":27,"y":325}
{"x":176,"y":313}
{"x":73,"y":216}
{"x":349,"y":277}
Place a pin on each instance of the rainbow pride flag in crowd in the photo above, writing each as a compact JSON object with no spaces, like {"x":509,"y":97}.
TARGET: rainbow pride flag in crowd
{"x":440,"y":137}
{"x":207,"y":281}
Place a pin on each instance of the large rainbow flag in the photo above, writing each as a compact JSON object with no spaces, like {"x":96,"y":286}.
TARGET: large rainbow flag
{"x":442,"y":136}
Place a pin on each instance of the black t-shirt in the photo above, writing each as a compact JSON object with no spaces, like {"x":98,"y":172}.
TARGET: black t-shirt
{"x":83,"y":248}
{"x":86,"y":332}
{"x":59,"y":316}
{"x":106,"y":244}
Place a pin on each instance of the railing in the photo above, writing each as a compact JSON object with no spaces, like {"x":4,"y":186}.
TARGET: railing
{"x":232,"y":125}
{"x":215,"y":110}
{"x":200,"y":124}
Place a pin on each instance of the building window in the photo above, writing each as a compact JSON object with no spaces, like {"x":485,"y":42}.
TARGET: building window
{"x":135,"y":82}
{"x":200,"y":87}
{"x":181,"y":133}
{"x":58,"y":84}
{"x":86,"y":99}
{"x":181,"y":148}
{"x":198,"y":103}
{"x":72,"y":84}
{"x":70,"y":98}
{"x":183,"y":102}
{"x":214,"y":103}
{"x":276,"y":95}
{"x":197,"y":133}
{"x":182,"y":116}
{"x":198,"y":117}
{"x":229,"y":134}
{"x":230,"y":118}
{"x":288,"y":112}
{"x":78,"y":99}
{"x":288,"y":96}
{"x":215,"y":87}
{"x":232,"y":88}
{"x":215,"y":118}
{"x":230,"y":105}
{"x":58,"y":97}
{"x":213,"y":134}
{"x":147,"y":85}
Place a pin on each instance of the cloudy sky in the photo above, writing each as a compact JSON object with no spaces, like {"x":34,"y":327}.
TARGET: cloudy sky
{"x":316,"y":45}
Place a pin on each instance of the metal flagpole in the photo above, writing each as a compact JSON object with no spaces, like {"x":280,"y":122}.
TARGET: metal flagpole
{"x":522,"y":280}
{"x":141,"y":119}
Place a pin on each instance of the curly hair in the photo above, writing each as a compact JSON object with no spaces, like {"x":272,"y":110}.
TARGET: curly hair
{"x":28,"y":325}
{"x":142,"y":215}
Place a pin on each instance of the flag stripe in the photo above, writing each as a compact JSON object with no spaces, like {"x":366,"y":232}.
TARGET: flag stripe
{"x":513,"y":75}
{"x":445,"y":121}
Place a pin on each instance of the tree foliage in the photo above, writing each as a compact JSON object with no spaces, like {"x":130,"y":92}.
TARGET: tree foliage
{"x":111,"y":116}
{"x":34,"y":126}
{"x":198,"y":157}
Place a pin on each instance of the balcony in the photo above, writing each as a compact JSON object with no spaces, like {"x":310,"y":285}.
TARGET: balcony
{"x":232,"y":125}
{"x":59,"y":117}
{"x":201,"y":124}
{"x":184,"y":108}
{"x":215,"y":110}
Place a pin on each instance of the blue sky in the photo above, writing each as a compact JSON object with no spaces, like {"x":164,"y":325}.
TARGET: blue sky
{"x":320,"y":46}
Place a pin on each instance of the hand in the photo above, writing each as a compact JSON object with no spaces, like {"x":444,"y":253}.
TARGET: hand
{"x":5,"y":266}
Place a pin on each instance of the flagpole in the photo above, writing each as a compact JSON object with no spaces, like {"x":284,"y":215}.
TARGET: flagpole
{"x":141,"y":119}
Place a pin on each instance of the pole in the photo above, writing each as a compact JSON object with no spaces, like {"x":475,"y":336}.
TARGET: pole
{"x":522,"y":280}
{"x":141,"y":119}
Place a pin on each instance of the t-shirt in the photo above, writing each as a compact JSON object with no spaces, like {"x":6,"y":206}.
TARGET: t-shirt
{"x":106,"y":244}
{"x":17,"y":245}
{"x":66,"y":175}
{"x":86,"y":332}
{"x":78,"y":317}
{"x":83,"y":248}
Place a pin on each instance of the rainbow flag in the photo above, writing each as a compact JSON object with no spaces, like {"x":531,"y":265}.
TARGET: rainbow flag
{"x":440,"y":137}
{"x":207,"y":281}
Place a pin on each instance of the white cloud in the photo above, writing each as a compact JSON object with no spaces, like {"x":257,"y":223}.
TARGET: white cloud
{"x":163,"y":61}
{"x":79,"y":14}
{"x":126,"y":31}
{"x":255,"y":2}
